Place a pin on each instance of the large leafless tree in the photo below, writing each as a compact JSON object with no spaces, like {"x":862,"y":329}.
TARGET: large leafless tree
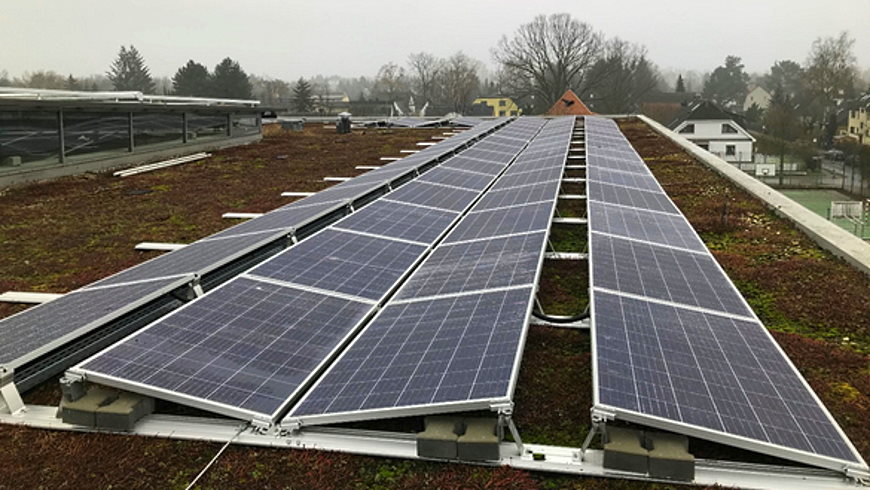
{"x":424,"y":69}
{"x":620,"y":78}
{"x":391,"y":82}
{"x":547,"y":56}
{"x":458,"y":82}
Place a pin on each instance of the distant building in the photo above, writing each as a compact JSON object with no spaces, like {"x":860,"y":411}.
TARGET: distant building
{"x":495,"y":106}
{"x":715,"y":130}
{"x":757,"y":96}
{"x":858,"y":126}
{"x":664,"y":107}
{"x":331,"y":104}
{"x":569,"y":105}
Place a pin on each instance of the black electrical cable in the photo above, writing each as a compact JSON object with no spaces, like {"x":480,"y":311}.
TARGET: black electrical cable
{"x":569,"y":319}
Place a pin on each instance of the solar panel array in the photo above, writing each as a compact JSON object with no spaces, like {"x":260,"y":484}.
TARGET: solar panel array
{"x":248,"y":348}
{"x":675,"y":344}
{"x":27,"y":334}
{"x":453,"y":334}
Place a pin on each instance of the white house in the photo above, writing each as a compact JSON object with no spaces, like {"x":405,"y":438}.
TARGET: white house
{"x":715,"y":130}
{"x":757,"y":96}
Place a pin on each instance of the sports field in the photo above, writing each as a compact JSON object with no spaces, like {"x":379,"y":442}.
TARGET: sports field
{"x":819,"y":201}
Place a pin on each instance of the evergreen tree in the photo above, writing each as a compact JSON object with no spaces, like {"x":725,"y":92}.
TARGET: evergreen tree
{"x":230,"y":81}
{"x":728,"y":84}
{"x":302,"y":96}
{"x":128,"y":72}
{"x":192,"y":79}
{"x":681,"y":86}
{"x":72,"y":83}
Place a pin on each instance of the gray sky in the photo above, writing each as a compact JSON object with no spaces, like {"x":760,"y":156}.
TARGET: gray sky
{"x":291,"y":38}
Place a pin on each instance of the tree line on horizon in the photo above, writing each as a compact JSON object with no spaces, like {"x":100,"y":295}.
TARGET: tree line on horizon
{"x":536,"y":65}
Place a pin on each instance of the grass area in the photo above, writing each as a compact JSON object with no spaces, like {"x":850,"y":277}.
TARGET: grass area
{"x":819,"y":202}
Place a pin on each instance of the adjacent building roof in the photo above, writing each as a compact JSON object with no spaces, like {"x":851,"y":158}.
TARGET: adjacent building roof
{"x":704,"y":110}
{"x":569,"y":105}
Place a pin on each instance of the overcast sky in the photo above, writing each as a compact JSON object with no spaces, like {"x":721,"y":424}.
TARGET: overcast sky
{"x":287,"y":39}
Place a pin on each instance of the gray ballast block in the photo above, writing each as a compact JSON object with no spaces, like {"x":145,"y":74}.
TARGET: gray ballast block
{"x":84,"y":410}
{"x":624,"y":450}
{"x":439,"y":438}
{"x":669,"y":456}
{"x":480,"y":442}
{"x":124,"y":412}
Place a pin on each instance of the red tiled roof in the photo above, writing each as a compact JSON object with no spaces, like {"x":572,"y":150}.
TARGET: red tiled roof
{"x":569,"y":105}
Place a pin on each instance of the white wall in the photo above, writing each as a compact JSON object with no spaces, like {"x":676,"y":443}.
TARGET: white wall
{"x":709,"y":132}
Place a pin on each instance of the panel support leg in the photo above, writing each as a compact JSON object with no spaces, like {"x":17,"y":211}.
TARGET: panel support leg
{"x":9,"y":392}
{"x":505,"y":420}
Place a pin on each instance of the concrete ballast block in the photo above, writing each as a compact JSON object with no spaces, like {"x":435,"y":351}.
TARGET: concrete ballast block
{"x":439,"y":438}
{"x":480,"y":442}
{"x":624,"y":450}
{"x":84,"y":410}
{"x":124,"y":412}
{"x":669,"y":456}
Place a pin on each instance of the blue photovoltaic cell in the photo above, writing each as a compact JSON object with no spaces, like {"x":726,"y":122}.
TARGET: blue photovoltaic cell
{"x":36,"y":327}
{"x":626,"y":196}
{"x":457,"y":178}
{"x":343,"y":262}
{"x":514,"y":179}
{"x":436,"y":196}
{"x":397,"y":220}
{"x":707,"y":370}
{"x":668,"y":274}
{"x":519,"y":219}
{"x":474,"y":266}
{"x":195,"y":257}
{"x":473,"y":165}
{"x":282,"y":218}
{"x":666,"y":229}
{"x":518,"y":195}
{"x":247,"y":345}
{"x":496,"y":151}
{"x":621,"y":164}
{"x":433,"y":351}
{"x":638,"y":181}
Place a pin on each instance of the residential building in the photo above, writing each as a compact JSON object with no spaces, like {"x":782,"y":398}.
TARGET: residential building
{"x":496,"y":106}
{"x":569,"y":105}
{"x":665,"y":106}
{"x":715,"y":130}
{"x":757,"y":96}
{"x":858,"y":126}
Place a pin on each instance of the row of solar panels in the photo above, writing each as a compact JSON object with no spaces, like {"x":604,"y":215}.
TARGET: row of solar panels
{"x":38,"y":341}
{"x":675,"y":345}
{"x":250,"y":347}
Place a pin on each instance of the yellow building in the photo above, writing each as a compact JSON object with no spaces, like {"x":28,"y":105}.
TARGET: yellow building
{"x":501,"y":106}
{"x":858,"y":127}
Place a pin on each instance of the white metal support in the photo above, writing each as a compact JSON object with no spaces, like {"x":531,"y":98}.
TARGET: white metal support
{"x":159,"y":246}
{"x":426,"y":143}
{"x":367,"y":167}
{"x":565,"y":256}
{"x":336,"y":179}
{"x":409,"y":151}
{"x":578,"y":197}
{"x":296,"y":194}
{"x":9,"y":392}
{"x":28,"y":298}
{"x":390,"y":159}
{"x":241,"y":215}
{"x":570,"y":221}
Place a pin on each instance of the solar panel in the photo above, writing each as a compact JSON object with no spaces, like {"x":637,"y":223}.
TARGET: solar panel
{"x":343,"y":262}
{"x":457,"y":178}
{"x":242,"y":350}
{"x":625,"y":179}
{"x":437,"y":196}
{"x":665,"y":229}
{"x":628,"y":196}
{"x":41,"y":328}
{"x":516,"y":179}
{"x":664,"y":273}
{"x":397,"y":220}
{"x":284,"y":218}
{"x":621,"y":164}
{"x":462,"y":162}
{"x":723,"y":374}
{"x":508,"y":221}
{"x":475,"y":266}
{"x":519,"y":195}
{"x":410,"y":357}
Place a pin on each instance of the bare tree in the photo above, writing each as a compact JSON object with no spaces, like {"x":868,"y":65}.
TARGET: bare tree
{"x":548,"y":56}
{"x":458,"y":82}
{"x":622,"y":76}
{"x":391,"y":82}
{"x":424,"y":68}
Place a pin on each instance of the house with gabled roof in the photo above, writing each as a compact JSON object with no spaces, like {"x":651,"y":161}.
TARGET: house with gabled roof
{"x":716,"y":130}
{"x":569,"y":105}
